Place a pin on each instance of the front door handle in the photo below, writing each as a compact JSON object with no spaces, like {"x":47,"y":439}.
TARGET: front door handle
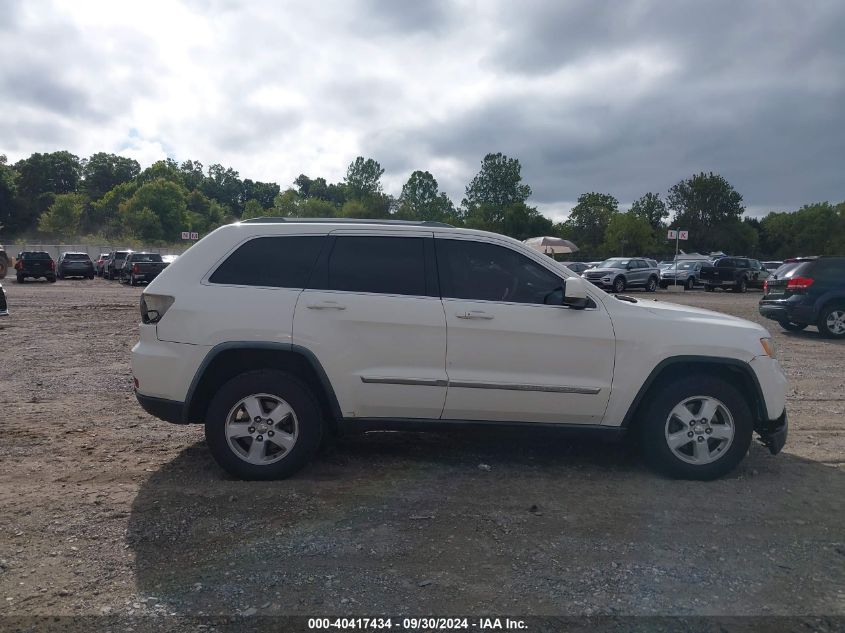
{"x":326,"y":305}
{"x":474,"y":314}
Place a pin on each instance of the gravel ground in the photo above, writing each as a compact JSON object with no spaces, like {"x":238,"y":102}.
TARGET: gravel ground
{"x":104,"y":509}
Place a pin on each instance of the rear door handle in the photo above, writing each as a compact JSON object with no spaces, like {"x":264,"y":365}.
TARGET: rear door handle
{"x":474,"y":314}
{"x":326,"y":305}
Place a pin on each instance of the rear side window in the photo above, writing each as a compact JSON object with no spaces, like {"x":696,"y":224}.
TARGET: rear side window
{"x":725,"y":263}
{"x":384,"y":265}
{"x":277,"y":262}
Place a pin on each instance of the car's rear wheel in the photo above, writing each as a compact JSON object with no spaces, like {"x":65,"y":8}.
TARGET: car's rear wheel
{"x":698,"y":427}
{"x":831,"y":321}
{"x":790,"y":326}
{"x":263,"y":424}
{"x":741,"y":286}
{"x":708,"y":288}
{"x":619,"y":284}
{"x":690,"y":283}
{"x":651,"y":284}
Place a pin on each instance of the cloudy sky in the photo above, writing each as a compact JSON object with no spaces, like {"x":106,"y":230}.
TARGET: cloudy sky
{"x":621,"y":98}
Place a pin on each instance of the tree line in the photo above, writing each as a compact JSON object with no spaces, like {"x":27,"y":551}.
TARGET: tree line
{"x":59,"y":196}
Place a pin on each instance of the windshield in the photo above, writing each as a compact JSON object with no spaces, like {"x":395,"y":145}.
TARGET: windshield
{"x":614,"y":262}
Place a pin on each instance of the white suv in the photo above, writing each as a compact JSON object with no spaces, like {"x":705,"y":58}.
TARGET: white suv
{"x":274,"y":332}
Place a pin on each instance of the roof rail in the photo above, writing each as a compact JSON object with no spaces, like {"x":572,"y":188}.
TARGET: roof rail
{"x":275,"y":219}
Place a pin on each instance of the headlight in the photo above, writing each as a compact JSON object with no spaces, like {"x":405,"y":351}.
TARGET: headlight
{"x":769,"y":347}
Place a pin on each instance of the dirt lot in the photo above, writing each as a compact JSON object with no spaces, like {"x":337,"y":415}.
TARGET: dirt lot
{"x":104,"y":509}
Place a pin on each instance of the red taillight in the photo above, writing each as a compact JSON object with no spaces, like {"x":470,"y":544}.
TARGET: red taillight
{"x":799,"y":283}
{"x":52,"y":265}
{"x":18,"y":264}
{"x":136,"y":269}
{"x":765,"y":286}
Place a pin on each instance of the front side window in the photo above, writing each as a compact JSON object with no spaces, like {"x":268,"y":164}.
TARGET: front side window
{"x":486,"y":272}
{"x":383,"y":265}
{"x":276,"y":262}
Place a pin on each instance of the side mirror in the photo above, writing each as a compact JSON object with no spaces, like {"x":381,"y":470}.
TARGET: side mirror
{"x":575,"y":293}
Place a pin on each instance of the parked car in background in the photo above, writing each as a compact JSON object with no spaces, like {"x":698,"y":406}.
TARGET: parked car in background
{"x":4,"y":306}
{"x":115,"y":264}
{"x":772,"y":266}
{"x":576,"y":267}
{"x":686,"y":274}
{"x":169,"y":259}
{"x":100,"y":264}
{"x":619,"y":273}
{"x":808,"y":291}
{"x":140,"y":267}
{"x":736,"y":273}
{"x":274,"y":333}
{"x":652,"y":262}
{"x":5,"y":262}
{"x":35,"y":264}
{"x":74,"y":265}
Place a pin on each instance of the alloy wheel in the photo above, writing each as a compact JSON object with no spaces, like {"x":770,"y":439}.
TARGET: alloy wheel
{"x":836,"y":322}
{"x":699,"y":430}
{"x":261,"y":429}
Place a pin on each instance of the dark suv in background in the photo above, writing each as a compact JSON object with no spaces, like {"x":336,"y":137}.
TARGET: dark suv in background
{"x":35,"y":264}
{"x":75,"y":265}
{"x":114,"y":265}
{"x":807,"y":291}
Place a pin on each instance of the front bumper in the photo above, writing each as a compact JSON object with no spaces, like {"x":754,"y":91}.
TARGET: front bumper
{"x":773,"y":433}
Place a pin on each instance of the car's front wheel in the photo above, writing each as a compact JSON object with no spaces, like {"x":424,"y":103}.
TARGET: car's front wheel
{"x":741,"y":286}
{"x":263,"y":424}
{"x":832,"y":321}
{"x":698,"y":427}
{"x":619,"y":284}
{"x":690,"y":283}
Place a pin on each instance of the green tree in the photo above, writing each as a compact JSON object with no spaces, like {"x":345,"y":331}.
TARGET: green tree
{"x":628,"y":233}
{"x":652,"y":209}
{"x":167,"y":169}
{"x":589,"y":219}
{"x":42,"y":177}
{"x":497,"y":184}
{"x":363,"y":178}
{"x":262,"y":192}
{"x":102,"y":172}
{"x":421,"y":199}
{"x":8,"y":193}
{"x":192,"y":174}
{"x":354,"y":209}
{"x":61,"y":220}
{"x":224,"y":185}
{"x":252,"y":209}
{"x":202,"y":214}
{"x":701,"y":203}
{"x":166,"y":200}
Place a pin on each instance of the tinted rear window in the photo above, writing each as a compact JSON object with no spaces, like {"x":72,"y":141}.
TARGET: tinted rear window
{"x":385,"y":265}
{"x":121,"y":254}
{"x":35,"y":255}
{"x":145,"y":257}
{"x":78,"y":256}
{"x":278,"y":262}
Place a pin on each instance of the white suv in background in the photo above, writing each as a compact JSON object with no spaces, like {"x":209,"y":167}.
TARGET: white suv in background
{"x":273,"y":332}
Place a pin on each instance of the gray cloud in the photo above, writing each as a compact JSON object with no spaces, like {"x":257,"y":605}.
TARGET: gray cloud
{"x":617,"y":97}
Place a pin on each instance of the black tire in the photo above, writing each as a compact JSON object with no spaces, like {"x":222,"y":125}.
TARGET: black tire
{"x":276,"y":383}
{"x":651,"y":284}
{"x":91,"y":276}
{"x":690,"y":283}
{"x":132,"y":280}
{"x":828,"y":312}
{"x":708,"y":288}
{"x":742,"y":286}
{"x":4,"y":266}
{"x":52,"y":279}
{"x":619,"y":284}
{"x":652,"y":427}
{"x":20,"y":278}
{"x":789,"y":326}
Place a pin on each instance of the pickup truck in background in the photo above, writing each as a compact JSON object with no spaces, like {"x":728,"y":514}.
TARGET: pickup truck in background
{"x":141,"y":267}
{"x":736,"y":273}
